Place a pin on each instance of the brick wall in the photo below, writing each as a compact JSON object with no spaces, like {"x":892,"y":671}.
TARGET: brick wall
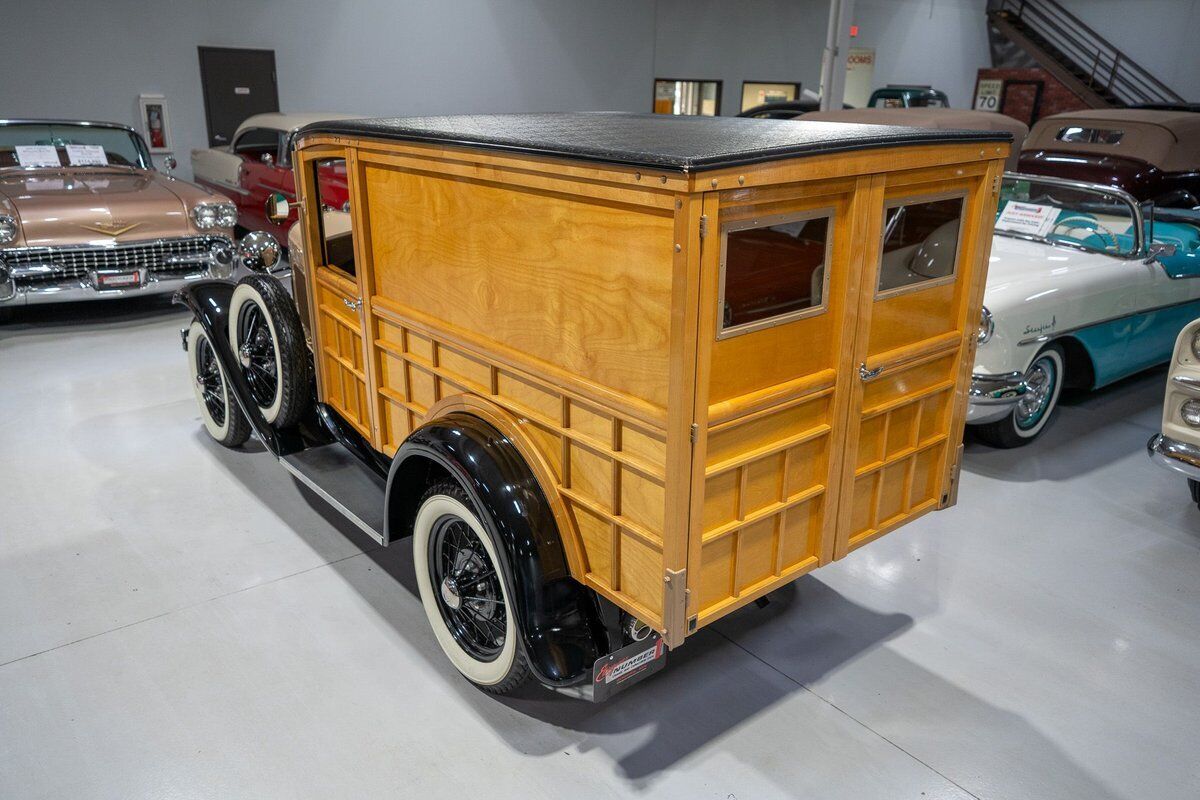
{"x":1020,"y":92}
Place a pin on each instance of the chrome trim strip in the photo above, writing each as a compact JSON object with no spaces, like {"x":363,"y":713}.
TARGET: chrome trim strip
{"x":333,"y":501}
{"x":1174,"y":455}
{"x":1046,"y":337}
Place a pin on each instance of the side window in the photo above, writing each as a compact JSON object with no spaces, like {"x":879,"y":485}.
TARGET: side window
{"x":333,"y":204}
{"x":1090,"y":135}
{"x":256,"y":142}
{"x":920,"y":242}
{"x":773,"y":270}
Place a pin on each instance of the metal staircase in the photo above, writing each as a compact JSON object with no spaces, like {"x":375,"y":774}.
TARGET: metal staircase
{"x":1087,"y":63}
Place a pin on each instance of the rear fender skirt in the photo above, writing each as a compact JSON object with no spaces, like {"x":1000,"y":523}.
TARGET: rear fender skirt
{"x":560,"y":619}
{"x":209,"y":302}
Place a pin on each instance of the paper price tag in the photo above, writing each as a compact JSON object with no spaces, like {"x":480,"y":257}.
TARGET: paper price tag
{"x":86,"y":155}
{"x":1030,"y":218}
{"x":38,"y":155}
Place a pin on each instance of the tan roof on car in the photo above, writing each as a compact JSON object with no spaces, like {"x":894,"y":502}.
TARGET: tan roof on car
{"x":1170,"y":140}
{"x":944,"y":118}
{"x":289,"y":122}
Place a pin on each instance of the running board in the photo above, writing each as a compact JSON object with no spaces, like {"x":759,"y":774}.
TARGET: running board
{"x":344,"y":482}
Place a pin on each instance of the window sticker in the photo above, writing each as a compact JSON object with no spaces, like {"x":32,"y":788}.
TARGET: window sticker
{"x":1033,"y":219}
{"x":38,"y":155}
{"x":86,"y":155}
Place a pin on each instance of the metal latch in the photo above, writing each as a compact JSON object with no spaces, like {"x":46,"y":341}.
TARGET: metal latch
{"x":867,"y":374}
{"x":353,"y":305}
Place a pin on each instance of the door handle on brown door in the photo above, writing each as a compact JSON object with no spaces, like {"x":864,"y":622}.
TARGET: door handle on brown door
{"x":353,"y":305}
{"x":867,"y":374}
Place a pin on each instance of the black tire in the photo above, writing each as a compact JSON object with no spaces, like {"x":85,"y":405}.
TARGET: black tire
{"x":479,"y":635}
{"x":1029,"y":417}
{"x":7,"y":314}
{"x":265,"y":332}
{"x":222,"y":416}
{"x":1194,"y":488}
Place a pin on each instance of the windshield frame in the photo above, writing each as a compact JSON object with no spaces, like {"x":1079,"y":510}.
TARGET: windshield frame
{"x":1135,"y":214}
{"x":144,"y":159}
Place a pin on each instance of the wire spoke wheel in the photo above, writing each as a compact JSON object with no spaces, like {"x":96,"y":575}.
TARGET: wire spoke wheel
{"x":209,"y":380}
{"x":256,"y":350}
{"x":467,"y":588}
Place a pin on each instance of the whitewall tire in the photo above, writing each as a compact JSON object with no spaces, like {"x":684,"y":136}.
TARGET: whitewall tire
{"x":1030,"y":415}
{"x":222,"y":417}
{"x":465,"y":591}
{"x":265,"y":334}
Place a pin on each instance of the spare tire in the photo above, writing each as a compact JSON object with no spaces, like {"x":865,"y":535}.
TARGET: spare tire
{"x":265,"y":333}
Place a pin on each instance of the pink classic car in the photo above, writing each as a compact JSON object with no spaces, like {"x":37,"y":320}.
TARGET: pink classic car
{"x":84,"y":215}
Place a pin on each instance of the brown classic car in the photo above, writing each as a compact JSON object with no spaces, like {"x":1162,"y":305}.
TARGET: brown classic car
{"x":1152,"y":154}
{"x":84,"y":215}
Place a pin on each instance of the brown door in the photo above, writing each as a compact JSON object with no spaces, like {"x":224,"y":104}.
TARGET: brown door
{"x":339,"y":317}
{"x":905,"y":418}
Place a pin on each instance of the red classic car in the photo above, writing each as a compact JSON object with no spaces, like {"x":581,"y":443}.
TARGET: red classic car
{"x":258,"y":164}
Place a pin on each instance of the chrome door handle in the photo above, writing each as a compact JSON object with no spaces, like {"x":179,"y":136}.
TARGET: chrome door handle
{"x":353,"y":305}
{"x":867,"y":374}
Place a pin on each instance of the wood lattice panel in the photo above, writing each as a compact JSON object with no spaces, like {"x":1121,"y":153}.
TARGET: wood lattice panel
{"x":902,"y":445}
{"x":608,"y":468}
{"x":343,"y":375}
{"x":764,"y":498}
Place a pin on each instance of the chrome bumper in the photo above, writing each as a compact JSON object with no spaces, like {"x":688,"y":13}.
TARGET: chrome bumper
{"x":991,"y":397}
{"x":1175,"y":455}
{"x":26,"y":284}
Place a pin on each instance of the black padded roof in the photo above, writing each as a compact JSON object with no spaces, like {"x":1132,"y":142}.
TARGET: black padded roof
{"x":654,"y":141}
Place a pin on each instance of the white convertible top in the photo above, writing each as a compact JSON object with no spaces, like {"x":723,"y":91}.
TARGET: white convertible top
{"x":289,"y":122}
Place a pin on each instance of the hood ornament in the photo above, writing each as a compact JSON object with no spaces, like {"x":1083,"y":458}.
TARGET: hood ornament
{"x":114,"y":228}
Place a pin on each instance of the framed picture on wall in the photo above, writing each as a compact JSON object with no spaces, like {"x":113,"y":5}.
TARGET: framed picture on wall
{"x":687,"y":96}
{"x":758,"y":93}
{"x":152,"y":114}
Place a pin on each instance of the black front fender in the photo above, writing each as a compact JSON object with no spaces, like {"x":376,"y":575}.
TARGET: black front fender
{"x":559,"y":618}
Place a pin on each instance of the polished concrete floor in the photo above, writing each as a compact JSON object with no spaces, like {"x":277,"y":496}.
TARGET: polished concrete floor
{"x":179,"y":620}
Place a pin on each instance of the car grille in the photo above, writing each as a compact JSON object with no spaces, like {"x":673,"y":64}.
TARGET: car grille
{"x":65,"y":263}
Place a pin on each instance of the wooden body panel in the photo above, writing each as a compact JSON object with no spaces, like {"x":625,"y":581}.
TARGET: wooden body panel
{"x":576,"y":306}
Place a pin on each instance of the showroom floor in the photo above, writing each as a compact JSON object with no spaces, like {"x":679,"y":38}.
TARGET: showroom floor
{"x":180,"y":620}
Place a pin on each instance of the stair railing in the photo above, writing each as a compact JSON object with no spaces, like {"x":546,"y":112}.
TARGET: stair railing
{"x":1097,"y":61}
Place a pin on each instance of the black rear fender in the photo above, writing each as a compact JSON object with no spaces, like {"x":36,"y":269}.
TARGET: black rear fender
{"x":559,"y":618}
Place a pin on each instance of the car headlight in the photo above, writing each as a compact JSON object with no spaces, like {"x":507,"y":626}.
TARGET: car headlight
{"x":214,"y":215}
{"x":1190,"y":412}
{"x":987,"y":326}
{"x":1196,"y":345}
{"x":8,"y":229}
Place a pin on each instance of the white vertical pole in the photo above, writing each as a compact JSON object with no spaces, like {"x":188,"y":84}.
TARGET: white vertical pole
{"x":833,"y":58}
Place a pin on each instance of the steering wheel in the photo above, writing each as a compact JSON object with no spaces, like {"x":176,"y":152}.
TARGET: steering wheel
{"x":1088,"y":224}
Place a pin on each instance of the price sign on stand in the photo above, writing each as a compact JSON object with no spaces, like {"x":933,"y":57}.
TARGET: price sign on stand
{"x":987,"y":94}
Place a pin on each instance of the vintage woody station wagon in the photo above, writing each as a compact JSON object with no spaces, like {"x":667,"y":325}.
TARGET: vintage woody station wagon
{"x":616,"y":375}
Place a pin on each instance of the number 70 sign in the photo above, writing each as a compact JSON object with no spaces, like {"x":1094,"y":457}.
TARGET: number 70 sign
{"x":987,"y":94}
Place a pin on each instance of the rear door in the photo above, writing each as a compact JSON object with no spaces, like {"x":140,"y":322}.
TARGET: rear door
{"x":779,"y":268}
{"x":913,"y":348}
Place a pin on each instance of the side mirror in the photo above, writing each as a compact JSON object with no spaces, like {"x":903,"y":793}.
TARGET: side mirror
{"x":169,"y":164}
{"x":259,"y":251}
{"x":1158,"y":251}
{"x":278,"y":208}
{"x":267,"y":159}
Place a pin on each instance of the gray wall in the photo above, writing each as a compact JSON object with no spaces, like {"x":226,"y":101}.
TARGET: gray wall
{"x":1161,"y":35}
{"x":375,"y":57}
{"x":756,"y":40}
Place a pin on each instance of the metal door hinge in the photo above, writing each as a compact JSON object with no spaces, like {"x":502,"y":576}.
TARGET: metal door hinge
{"x":703,"y":225}
{"x":996,"y":186}
{"x":695,"y":432}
